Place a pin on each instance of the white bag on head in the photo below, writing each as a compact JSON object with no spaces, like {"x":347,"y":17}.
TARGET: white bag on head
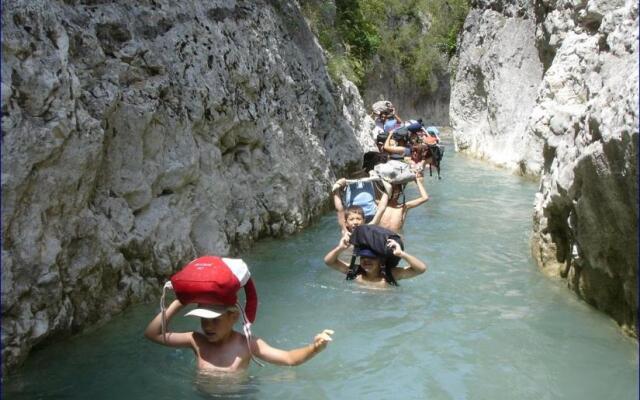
{"x":394,"y":172}
{"x":382,"y":107}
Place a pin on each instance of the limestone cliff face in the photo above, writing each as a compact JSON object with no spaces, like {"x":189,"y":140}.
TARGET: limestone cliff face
{"x":550,"y":88}
{"x":585,"y":219}
{"x":495,"y":86}
{"x":138,"y":135}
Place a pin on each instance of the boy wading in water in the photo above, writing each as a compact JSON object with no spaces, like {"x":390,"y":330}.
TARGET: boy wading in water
{"x":353,"y":218}
{"x":395,"y":212}
{"x":220,"y":348}
{"x":372,"y":270}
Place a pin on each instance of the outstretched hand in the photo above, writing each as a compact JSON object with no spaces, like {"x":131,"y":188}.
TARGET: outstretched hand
{"x":322,"y":339}
{"x":344,"y":240}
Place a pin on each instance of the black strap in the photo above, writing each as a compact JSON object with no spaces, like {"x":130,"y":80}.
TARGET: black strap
{"x":353,"y":267}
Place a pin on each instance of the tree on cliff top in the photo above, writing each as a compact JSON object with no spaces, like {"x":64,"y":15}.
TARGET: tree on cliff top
{"x":416,"y":37}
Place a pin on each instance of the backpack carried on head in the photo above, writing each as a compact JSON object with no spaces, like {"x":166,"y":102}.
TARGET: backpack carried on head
{"x":212,"y":280}
{"x":394,"y":172}
{"x":437,"y":150}
{"x":401,"y":134}
{"x":381,"y":139}
{"x":363,"y":195}
{"x":420,"y":134}
{"x":431,"y":153}
{"x":383,"y":107}
{"x":375,"y":238}
{"x":426,"y":146}
{"x":433,"y":133}
{"x":391,"y":125}
{"x":415,"y":126}
{"x":215,"y":280}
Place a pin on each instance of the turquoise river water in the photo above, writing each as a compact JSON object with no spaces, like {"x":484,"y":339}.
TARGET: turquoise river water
{"x":481,"y":323}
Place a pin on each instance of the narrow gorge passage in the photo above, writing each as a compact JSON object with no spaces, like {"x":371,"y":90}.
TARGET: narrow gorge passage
{"x":482,"y":323}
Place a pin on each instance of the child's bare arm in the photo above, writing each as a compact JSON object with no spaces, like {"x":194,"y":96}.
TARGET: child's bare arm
{"x":415,"y":268}
{"x":332,"y":260}
{"x":171,"y":339}
{"x":423,"y":193}
{"x":382,"y":204}
{"x":261,"y":349}
{"x":337,"y":203}
{"x":389,"y":148}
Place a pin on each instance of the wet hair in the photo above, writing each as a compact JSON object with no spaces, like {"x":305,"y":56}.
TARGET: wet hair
{"x":356,"y":269}
{"x":400,"y":189}
{"x":353,"y":210}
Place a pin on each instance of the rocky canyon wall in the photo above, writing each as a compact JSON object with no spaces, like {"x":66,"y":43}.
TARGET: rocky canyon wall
{"x":139,"y":135}
{"x":495,"y":85}
{"x":586,"y":212}
{"x":550,"y":88}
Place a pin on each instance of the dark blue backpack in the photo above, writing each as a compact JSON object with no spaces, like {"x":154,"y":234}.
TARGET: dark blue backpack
{"x":375,"y":238}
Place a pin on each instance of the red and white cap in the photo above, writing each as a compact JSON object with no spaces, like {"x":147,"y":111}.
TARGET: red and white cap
{"x":210,"y":311}
{"x":213,"y":283}
{"x":214,"y":280}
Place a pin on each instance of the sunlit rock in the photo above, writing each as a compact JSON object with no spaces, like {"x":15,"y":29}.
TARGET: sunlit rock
{"x":495,"y":86}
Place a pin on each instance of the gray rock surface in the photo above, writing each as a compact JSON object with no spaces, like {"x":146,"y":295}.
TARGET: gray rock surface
{"x":495,"y":86}
{"x":139,"y":135}
{"x":586,"y":213}
{"x":577,"y":128}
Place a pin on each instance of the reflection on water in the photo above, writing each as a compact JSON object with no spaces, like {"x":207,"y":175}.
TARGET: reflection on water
{"x":481,"y":323}
{"x":224,"y":385}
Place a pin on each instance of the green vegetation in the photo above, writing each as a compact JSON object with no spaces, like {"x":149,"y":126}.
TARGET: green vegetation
{"x":414,"y":37}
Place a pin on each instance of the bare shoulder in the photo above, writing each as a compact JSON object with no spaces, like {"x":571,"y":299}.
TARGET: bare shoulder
{"x":240,"y":340}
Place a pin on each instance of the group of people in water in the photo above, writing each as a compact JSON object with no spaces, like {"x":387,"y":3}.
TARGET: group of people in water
{"x":386,"y":205}
{"x":358,"y":202}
